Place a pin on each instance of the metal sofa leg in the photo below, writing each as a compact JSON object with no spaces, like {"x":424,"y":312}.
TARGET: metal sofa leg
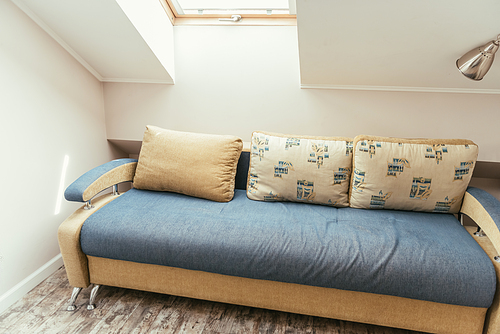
{"x":93,"y":293}
{"x":88,"y":205}
{"x":479,"y":233}
{"x":72,"y":300}
{"x":115,"y":190}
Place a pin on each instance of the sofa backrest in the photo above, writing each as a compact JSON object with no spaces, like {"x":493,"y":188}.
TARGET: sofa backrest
{"x":368,"y":172}
{"x":242,"y":170}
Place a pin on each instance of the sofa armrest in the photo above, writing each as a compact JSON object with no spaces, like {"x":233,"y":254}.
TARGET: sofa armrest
{"x":484,"y":209}
{"x":96,"y":180}
{"x":68,"y":234}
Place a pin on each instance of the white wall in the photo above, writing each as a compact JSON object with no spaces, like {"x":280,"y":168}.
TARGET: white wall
{"x":50,"y":107}
{"x":235,"y":80}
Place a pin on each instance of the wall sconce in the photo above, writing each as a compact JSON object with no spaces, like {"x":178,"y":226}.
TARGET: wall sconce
{"x":476,"y":63}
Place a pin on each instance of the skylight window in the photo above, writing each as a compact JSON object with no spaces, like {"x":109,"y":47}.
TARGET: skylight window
{"x":227,"y":8}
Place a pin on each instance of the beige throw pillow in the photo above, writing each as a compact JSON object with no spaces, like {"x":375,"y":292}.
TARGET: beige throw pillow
{"x":299,"y":169}
{"x":411,"y":174}
{"x":199,"y":165}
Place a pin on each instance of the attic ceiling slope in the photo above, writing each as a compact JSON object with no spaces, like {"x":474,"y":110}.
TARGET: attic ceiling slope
{"x":99,"y":35}
{"x":394,"y":44}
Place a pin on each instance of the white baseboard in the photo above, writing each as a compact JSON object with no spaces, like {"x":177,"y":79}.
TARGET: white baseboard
{"x":27,"y":284}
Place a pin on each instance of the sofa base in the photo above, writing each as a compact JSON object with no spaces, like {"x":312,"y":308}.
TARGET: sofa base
{"x":362,"y":307}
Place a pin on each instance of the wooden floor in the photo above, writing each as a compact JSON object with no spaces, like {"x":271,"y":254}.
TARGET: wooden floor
{"x":128,"y":311}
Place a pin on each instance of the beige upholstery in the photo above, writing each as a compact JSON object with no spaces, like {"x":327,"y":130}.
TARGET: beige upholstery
{"x":68,"y":235}
{"x":331,"y":303}
{"x":169,"y":160}
{"x":123,"y":173}
{"x":69,"y":231}
{"x":472,"y":208}
{"x":491,"y":245}
{"x":352,"y":306}
{"x":339,"y":304}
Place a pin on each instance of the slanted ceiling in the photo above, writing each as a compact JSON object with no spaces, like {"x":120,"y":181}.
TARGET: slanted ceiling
{"x":101,"y":36}
{"x":357,"y":44}
{"x":394,"y":44}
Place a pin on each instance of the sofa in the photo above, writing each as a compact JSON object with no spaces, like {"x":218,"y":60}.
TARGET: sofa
{"x":365,"y":229}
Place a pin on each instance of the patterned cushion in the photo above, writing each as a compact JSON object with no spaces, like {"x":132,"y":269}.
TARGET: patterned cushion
{"x":199,"y":165}
{"x":299,"y":169}
{"x":411,"y":174}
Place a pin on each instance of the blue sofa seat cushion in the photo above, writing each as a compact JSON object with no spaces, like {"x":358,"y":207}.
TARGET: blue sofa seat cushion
{"x":415,"y":255}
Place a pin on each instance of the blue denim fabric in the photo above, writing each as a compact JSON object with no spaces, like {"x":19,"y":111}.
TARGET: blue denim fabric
{"x":417,"y":255}
{"x":74,"y":192}
{"x":489,"y":203}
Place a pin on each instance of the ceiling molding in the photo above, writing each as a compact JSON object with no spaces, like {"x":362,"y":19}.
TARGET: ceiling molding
{"x":56,"y":37}
{"x":402,"y":89}
{"x":125,"y":80}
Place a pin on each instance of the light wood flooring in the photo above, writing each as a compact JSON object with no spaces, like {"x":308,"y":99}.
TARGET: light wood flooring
{"x":128,"y":311}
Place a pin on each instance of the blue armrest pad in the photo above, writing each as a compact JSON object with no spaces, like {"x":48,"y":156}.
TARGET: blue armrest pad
{"x":488,"y":201}
{"x":75,"y":190}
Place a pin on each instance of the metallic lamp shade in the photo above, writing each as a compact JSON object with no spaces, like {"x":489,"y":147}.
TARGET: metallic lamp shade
{"x":476,"y":63}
